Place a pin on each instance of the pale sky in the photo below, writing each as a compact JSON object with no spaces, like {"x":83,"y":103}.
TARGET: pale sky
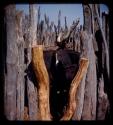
{"x":71,"y":11}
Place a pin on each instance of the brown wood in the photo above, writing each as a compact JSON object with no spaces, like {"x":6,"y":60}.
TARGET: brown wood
{"x":73,"y":89}
{"x":43,"y":82}
{"x":11,"y":71}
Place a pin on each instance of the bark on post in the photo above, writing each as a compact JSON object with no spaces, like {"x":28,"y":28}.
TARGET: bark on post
{"x":20,"y":66}
{"x":11,"y":71}
{"x":31,"y":89}
{"x":43,"y":82}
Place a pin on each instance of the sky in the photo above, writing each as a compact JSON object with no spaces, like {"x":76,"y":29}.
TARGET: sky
{"x":71,"y":11}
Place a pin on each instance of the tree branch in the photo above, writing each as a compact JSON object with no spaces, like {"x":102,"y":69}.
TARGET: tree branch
{"x":43,"y":82}
{"x":73,"y":89}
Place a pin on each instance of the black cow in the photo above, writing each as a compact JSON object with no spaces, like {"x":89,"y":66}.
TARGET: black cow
{"x":61,"y":75}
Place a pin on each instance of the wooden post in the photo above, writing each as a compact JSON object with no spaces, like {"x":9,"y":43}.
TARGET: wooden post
{"x":59,"y":23}
{"x":103,"y":102}
{"x":90,"y":95}
{"x":71,"y":108}
{"x":20,"y":66}
{"x":87,"y":18}
{"x":81,"y":89}
{"x":104,"y":41}
{"x":11,"y":71}
{"x":43,"y":82}
{"x":31,"y":89}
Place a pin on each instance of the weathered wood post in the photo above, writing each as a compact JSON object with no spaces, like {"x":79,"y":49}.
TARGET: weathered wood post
{"x":31,"y":89}
{"x":102,"y":66}
{"x":104,"y":42}
{"x":43,"y":82}
{"x":59,"y":22}
{"x":87,"y":92}
{"x":90,"y":95}
{"x":11,"y":71}
{"x":20,"y":67}
{"x":72,"y":102}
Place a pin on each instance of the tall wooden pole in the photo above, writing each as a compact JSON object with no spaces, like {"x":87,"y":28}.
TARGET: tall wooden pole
{"x":11,"y":70}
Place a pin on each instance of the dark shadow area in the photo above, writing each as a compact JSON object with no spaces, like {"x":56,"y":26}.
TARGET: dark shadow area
{"x":3,"y":51}
{"x":101,"y":67}
{"x":61,"y":76}
{"x":29,"y":75}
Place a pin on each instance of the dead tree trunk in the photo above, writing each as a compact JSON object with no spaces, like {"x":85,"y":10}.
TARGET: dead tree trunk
{"x":43,"y":82}
{"x":11,"y":71}
{"x":102,"y":67}
{"x":80,"y":92}
{"x":20,"y":79}
{"x":86,"y":94}
{"x":31,"y":89}
{"x":87,"y":18}
{"x":90,"y":95}
{"x":71,"y":108}
{"x":59,"y":22}
{"x":104,"y":41}
{"x":103,"y":102}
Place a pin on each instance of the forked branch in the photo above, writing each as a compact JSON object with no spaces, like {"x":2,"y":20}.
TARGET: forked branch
{"x":43,"y":85}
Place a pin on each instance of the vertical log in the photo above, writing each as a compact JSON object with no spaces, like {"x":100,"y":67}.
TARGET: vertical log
{"x":90,"y":96}
{"x":79,"y":100}
{"x":86,"y":94}
{"x":103,"y":66}
{"x":103,"y":23}
{"x":87,"y":18}
{"x":66,"y":27}
{"x":59,"y":22}
{"x":43,"y":86}
{"x":104,"y":41}
{"x":105,"y":26}
{"x":33,"y":24}
{"x":11,"y":71}
{"x":103,"y":102}
{"x":38,"y":17}
{"x":71,"y":108}
{"x":32,"y":96}
{"x":20,"y":66}
{"x":81,"y":90}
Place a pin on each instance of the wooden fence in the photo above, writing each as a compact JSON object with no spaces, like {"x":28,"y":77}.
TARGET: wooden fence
{"x":20,"y":85}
